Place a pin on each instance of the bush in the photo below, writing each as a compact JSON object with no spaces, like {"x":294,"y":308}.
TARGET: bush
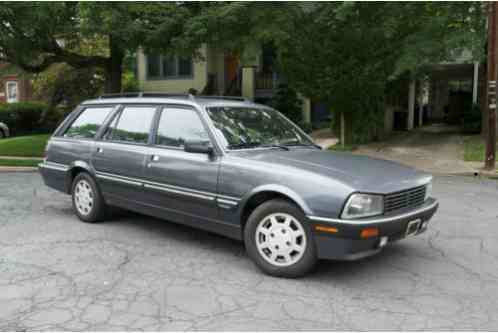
{"x":472,"y":120}
{"x":23,"y":117}
{"x":287,"y":102}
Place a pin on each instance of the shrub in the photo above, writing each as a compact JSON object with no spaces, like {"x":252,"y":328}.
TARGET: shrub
{"x":287,"y":102}
{"x":472,"y":120}
{"x":22,"y":117}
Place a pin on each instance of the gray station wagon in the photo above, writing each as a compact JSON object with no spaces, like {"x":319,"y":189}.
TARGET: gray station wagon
{"x":236,"y":168}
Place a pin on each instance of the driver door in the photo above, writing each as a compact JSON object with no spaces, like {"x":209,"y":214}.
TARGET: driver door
{"x":181,"y":183}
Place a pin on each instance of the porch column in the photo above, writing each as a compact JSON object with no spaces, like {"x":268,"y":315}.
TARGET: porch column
{"x":411,"y":104}
{"x":306,"y":109}
{"x":248,"y":82}
{"x":475,"y":83}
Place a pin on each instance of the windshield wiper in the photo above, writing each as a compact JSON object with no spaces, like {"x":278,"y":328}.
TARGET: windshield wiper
{"x":274,"y":145}
{"x":300,"y":143}
{"x":243,"y":145}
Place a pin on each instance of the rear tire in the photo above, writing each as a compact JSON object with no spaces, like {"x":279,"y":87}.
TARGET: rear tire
{"x":279,"y":240}
{"x":2,"y":135}
{"x":88,"y":202}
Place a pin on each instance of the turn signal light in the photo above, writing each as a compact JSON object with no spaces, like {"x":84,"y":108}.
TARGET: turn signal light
{"x":326,"y":229}
{"x":369,"y":232}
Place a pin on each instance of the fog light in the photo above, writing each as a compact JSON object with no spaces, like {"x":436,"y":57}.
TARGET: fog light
{"x":383,"y":241}
{"x":369,"y":232}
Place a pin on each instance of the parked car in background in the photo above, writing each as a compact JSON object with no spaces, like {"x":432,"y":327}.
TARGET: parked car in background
{"x":235,"y":168}
{"x":4,"y":131}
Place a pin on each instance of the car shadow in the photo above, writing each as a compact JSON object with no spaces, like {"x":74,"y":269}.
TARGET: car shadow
{"x":325,"y":269}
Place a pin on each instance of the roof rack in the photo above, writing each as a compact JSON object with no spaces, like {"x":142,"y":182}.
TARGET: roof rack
{"x":140,"y":94}
{"x":143,"y":94}
{"x":230,"y":98}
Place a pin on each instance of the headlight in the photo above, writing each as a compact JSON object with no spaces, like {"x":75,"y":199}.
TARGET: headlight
{"x":428,"y":191}
{"x":363,"y":205}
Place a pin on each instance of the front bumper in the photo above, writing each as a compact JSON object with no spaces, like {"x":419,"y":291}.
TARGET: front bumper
{"x":346,"y":243}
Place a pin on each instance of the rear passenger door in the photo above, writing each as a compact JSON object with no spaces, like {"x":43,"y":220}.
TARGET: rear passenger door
{"x":183,"y":184}
{"x":119,"y":156}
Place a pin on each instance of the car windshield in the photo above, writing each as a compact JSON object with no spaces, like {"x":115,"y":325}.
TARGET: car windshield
{"x":241,"y":128}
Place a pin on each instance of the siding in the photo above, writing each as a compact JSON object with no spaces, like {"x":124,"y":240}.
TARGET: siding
{"x":198,"y":81}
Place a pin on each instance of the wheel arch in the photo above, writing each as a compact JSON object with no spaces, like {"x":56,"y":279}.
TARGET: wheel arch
{"x":74,"y":169}
{"x":269,"y":192}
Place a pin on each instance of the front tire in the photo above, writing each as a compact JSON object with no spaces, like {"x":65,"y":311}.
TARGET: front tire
{"x":88,"y":203}
{"x":279,"y":240}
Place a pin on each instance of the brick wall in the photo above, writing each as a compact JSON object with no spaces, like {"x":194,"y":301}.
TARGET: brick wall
{"x":24,"y":87}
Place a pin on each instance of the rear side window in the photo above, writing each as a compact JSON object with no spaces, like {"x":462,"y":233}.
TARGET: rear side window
{"x":88,"y":123}
{"x":178,"y":125}
{"x":131,"y":125}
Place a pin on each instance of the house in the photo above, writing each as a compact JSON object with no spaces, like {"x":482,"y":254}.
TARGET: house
{"x":443,"y":93}
{"x":13,"y":87}
{"x":252,"y":75}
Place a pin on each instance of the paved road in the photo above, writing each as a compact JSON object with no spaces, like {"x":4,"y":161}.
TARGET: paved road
{"x":138,"y":273}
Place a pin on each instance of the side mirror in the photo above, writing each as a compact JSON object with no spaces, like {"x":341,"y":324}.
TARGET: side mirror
{"x":199,"y":147}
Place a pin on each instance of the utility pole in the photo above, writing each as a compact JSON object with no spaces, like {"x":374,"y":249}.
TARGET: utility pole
{"x":490,"y":158}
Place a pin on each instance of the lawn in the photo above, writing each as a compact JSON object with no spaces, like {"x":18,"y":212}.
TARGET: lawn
{"x":19,"y":163}
{"x":24,"y":146}
{"x":474,"y":149}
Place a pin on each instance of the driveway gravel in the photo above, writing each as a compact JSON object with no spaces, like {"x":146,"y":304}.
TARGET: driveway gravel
{"x":138,"y":273}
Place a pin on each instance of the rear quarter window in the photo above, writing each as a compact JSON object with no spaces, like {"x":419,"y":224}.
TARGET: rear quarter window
{"x":87,"y":124}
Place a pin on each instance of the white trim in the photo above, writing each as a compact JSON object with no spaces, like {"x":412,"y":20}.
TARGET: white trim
{"x":8,"y":99}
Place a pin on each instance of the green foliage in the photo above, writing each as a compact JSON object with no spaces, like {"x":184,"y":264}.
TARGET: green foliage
{"x":24,"y":146}
{"x":345,"y":54}
{"x":130,"y":82}
{"x":36,"y":35}
{"x":288,"y":103}
{"x":63,"y":85}
{"x":472,"y":120}
{"x":23,"y":117}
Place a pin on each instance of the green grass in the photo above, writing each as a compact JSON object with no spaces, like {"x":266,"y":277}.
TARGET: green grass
{"x":339,"y":147}
{"x":24,"y":146}
{"x":474,"y":149}
{"x":19,"y":163}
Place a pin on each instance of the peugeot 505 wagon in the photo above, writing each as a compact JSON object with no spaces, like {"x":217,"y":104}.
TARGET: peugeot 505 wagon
{"x":235,"y":168}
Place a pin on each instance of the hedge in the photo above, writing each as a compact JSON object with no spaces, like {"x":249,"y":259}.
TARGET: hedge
{"x":24,"y":117}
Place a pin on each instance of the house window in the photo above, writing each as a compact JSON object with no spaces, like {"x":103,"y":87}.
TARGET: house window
{"x":11,"y":92}
{"x":168,"y":67}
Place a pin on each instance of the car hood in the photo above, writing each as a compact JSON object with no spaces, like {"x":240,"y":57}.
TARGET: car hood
{"x":361,"y":173}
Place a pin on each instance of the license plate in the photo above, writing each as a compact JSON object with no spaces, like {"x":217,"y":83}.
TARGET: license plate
{"x":413,"y":227}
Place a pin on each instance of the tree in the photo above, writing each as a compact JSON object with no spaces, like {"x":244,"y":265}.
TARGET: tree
{"x":345,"y":54}
{"x":35,"y":35}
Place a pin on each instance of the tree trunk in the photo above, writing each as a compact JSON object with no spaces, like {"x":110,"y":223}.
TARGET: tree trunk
{"x":114,"y":67}
{"x":343,"y":130}
{"x":483,"y":105}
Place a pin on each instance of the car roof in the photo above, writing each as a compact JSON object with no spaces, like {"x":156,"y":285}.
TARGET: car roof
{"x":200,"y":101}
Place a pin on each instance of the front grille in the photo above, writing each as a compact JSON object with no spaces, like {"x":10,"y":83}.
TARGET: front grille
{"x":411,"y":198}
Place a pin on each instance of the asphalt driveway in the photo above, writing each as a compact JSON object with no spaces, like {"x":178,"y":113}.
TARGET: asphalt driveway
{"x":138,"y":273}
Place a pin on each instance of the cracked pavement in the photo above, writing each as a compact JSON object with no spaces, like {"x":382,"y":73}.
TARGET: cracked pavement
{"x":138,"y":273}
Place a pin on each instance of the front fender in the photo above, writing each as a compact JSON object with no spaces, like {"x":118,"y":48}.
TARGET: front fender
{"x":280,"y":189}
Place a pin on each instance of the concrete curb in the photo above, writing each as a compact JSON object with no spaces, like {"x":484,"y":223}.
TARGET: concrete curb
{"x":18,"y":169}
{"x":20,"y":158}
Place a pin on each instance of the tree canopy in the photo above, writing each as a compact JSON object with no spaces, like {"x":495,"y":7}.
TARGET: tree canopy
{"x":35,"y":35}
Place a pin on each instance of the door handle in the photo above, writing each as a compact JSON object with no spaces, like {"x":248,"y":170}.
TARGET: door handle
{"x":154,"y":158}
{"x":100,"y":150}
